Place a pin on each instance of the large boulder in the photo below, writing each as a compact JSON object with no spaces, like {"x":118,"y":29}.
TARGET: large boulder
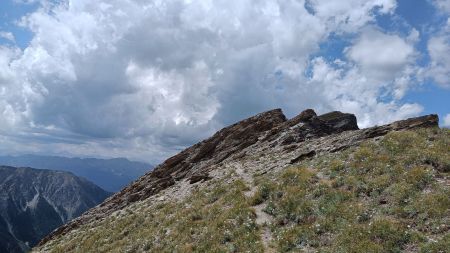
{"x":339,"y":121}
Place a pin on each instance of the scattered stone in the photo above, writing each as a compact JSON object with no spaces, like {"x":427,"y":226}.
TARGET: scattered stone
{"x":303,"y":156}
{"x":197,"y":178}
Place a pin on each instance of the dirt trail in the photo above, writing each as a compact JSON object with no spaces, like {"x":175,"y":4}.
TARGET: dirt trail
{"x":263,"y":220}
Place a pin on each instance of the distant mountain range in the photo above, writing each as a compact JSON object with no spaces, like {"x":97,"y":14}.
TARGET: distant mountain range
{"x":34,"y":202}
{"x":110,"y":174}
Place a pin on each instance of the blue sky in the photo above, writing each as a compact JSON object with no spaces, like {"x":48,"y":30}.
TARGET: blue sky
{"x":424,"y":17}
{"x":10,"y":15}
{"x":143,"y":79}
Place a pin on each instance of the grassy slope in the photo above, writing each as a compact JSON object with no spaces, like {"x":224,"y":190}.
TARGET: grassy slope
{"x":390,"y":195}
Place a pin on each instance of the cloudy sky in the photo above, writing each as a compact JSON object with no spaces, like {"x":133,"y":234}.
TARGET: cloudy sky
{"x":145,"y":78}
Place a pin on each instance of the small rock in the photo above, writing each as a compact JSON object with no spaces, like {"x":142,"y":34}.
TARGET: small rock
{"x":197,"y":178}
{"x":303,"y":156}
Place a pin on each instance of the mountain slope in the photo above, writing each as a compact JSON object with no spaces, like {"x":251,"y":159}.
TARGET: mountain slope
{"x":110,"y":174}
{"x":34,"y":202}
{"x":272,"y":184}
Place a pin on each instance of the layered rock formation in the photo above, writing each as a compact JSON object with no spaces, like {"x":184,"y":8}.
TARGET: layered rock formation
{"x":34,"y":202}
{"x":303,"y":136}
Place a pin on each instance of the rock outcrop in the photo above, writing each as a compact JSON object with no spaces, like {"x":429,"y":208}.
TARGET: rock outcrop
{"x":301,"y":137}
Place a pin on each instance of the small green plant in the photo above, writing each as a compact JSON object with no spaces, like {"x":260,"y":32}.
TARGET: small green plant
{"x":441,"y":245}
{"x":262,"y":194}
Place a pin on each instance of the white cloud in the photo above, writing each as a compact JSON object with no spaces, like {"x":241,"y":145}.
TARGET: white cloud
{"x":386,"y":61}
{"x":413,"y":37}
{"x":7,"y":35}
{"x":381,"y":55}
{"x":443,"y":5}
{"x":446,"y":120}
{"x":439,"y":50}
{"x":144,"y":78}
{"x":350,"y":15}
{"x":350,"y":89}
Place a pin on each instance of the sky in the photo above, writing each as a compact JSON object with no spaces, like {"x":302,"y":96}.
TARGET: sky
{"x":144,"y":79}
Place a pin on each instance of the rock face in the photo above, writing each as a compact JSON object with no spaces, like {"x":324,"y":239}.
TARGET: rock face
{"x":34,"y":202}
{"x":301,"y":137}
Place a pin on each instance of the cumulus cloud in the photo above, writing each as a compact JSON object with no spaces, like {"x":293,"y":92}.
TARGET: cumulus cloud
{"x":377,"y":65}
{"x":386,"y":59}
{"x":7,"y":35}
{"x":350,"y":15}
{"x":143,"y":79}
{"x":381,"y":55}
{"x":439,"y":49}
{"x":443,"y":5}
{"x":446,"y":120}
{"x":348,"y":88}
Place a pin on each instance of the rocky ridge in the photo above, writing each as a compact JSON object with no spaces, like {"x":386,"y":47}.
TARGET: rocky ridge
{"x":291,"y":141}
